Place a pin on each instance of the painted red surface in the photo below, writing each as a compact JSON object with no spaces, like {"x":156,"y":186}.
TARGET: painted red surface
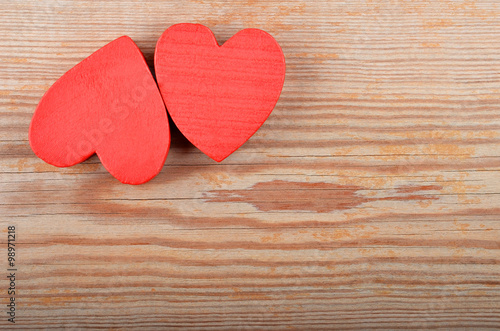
{"x":218,"y":96}
{"x":108,"y":104}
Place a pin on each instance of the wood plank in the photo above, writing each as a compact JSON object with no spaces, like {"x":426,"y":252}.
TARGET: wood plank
{"x":368,"y":199}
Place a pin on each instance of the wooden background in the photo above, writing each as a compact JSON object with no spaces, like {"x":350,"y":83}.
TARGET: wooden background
{"x":369,"y":199}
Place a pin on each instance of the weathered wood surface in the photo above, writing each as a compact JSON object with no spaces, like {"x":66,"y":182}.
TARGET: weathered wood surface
{"x":369,"y":199}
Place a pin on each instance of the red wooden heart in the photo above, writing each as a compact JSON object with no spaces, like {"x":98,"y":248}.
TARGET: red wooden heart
{"x":107,"y":104}
{"x":218,"y":96}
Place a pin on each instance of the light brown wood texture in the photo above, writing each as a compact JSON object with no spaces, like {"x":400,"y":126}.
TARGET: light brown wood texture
{"x":369,"y":199}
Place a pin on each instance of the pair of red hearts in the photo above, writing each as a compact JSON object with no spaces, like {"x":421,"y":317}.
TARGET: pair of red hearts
{"x":109,"y":104}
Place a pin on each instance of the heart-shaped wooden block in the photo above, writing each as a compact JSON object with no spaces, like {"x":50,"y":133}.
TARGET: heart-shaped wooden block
{"x":107,"y":104}
{"x":218,"y":96}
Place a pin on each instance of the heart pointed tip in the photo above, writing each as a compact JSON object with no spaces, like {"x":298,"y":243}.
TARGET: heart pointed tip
{"x":218,"y":158}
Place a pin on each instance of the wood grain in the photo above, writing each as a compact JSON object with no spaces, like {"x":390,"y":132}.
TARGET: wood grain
{"x":369,"y":198}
